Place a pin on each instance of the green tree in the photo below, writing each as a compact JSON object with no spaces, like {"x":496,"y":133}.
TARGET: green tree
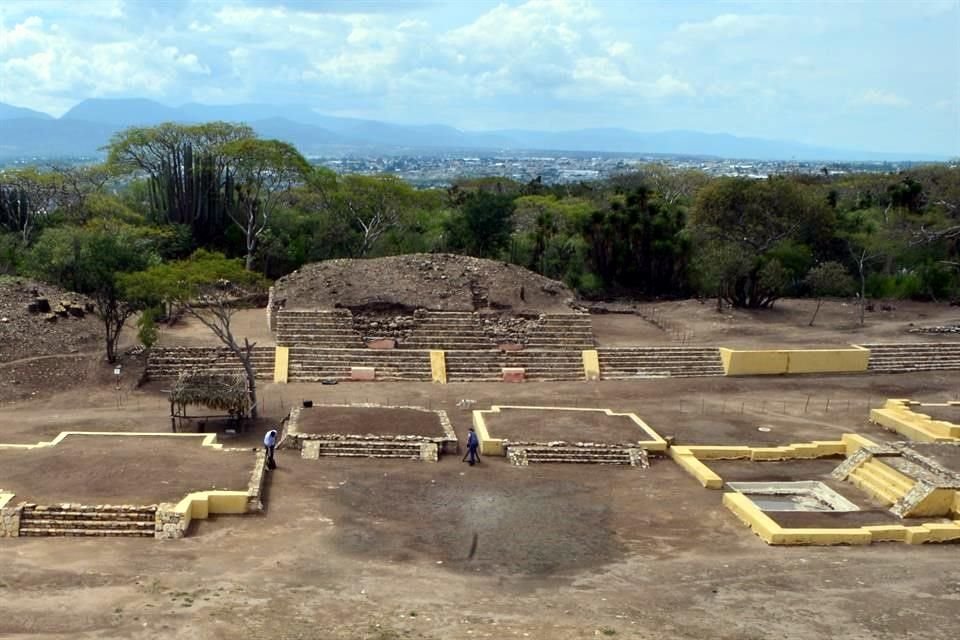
{"x":483,"y":225}
{"x":209,"y":288}
{"x":828,"y":279}
{"x":27,"y":198}
{"x":372,"y":207}
{"x":189,"y":178}
{"x":91,"y":260}
{"x":747,"y":220}
{"x":263,"y":171}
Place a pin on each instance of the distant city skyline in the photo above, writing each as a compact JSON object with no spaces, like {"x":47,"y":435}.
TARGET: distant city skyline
{"x":868,"y":75}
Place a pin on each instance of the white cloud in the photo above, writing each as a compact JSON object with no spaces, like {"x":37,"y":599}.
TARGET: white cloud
{"x":880,"y":98}
{"x":723,"y":28}
{"x":666,"y":86}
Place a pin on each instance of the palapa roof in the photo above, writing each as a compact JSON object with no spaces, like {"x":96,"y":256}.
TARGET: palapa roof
{"x":225,"y":392}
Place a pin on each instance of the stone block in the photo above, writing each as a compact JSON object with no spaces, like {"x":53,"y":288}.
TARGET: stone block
{"x":310,"y":450}
{"x":381,"y":343}
{"x":429,"y":452}
{"x":513,"y":374}
{"x":510,"y":346}
{"x":363,"y":373}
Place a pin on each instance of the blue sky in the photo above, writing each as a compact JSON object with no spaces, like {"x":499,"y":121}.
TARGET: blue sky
{"x":880,"y":75}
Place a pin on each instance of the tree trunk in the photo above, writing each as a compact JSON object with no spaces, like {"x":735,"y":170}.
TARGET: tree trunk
{"x":816,"y":311}
{"x":111,"y":341}
{"x":863,"y":294}
{"x":251,"y":376}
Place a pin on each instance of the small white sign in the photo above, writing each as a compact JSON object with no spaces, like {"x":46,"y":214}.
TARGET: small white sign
{"x":116,"y":371}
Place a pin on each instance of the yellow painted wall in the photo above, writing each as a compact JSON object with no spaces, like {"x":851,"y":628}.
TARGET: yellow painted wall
{"x":753,"y":363}
{"x":785,"y":361}
{"x":438,"y":366}
{"x":689,"y":462}
{"x":488,"y":446}
{"x":772,"y":533}
{"x":940,"y":502}
{"x":905,"y":417}
{"x":5,"y":498}
{"x":591,"y":364}
{"x":281,"y":364}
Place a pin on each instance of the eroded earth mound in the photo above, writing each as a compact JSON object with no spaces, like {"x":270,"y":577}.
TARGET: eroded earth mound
{"x":41,"y":320}
{"x":437,"y":282}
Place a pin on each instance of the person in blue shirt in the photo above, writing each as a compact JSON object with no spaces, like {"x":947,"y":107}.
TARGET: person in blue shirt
{"x":473,"y":444}
{"x":270,"y":444}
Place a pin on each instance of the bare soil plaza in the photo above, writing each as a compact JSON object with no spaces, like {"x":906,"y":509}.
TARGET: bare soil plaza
{"x":651,"y":471}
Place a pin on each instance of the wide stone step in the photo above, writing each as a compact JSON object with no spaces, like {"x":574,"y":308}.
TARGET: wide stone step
{"x":538,"y":459}
{"x":35,"y":532}
{"x":61,"y":523}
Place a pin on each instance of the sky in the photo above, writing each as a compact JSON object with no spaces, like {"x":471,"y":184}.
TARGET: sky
{"x":878,"y":75}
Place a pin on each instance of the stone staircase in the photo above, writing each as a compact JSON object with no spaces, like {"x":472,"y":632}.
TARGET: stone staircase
{"x":882,"y":482}
{"x":168,"y":362}
{"x":312,"y":364}
{"x":332,"y":329}
{"x":923,"y":356}
{"x":481,"y":366}
{"x":86,"y":521}
{"x":618,"y":363}
{"x":361,"y":448}
{"x":452,"y":330}
{"x":569,"y":453}
{"x":563,"y":331}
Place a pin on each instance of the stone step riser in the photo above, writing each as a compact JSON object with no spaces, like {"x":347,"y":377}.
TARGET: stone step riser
{"x":117,"y":525}
{"x":26,"y":532}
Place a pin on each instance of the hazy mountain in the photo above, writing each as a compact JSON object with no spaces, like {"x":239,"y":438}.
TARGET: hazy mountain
{"x":89,"y":125}
{"x":9,"y":112}
{"x":125,"y":112}
{"x":49,"y":138}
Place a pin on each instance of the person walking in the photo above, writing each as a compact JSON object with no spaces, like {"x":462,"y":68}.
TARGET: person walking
{"x":473,"y":444}
{"x":270,"y":444}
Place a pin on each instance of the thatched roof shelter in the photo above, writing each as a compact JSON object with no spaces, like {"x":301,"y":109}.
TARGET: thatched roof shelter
{"x":226,"y":392}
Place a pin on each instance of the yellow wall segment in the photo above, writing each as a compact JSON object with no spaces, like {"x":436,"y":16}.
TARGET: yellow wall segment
{"x":438,"y":366}
{"x":854,"y":441}
{"x":202,"y":504}
{"x":786,"y":361}
{"x":653,"y":441}
{"x":903,"y":417}
{"x":591,"y":365}
{"x":5,"y":497}
{"x":209,"y":439}
{"x":488,"y":446}
{"x":940,"y":502}
{"x":689,"y":462}
{"x":772,"y":533}
{"x":281,"y":364}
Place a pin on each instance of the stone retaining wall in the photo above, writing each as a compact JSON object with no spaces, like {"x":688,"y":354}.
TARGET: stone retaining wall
{"x":10,"y":519}
{"x":448,"y":443}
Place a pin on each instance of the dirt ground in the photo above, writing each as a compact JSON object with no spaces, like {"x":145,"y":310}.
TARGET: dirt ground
{"x":945,"y":454}
{"x":398,"y":549}
{"x":369,"y":421}
{"x":787,"y":323}
{"x":99,"y":470}
{"x":948,"y":414}
{"x":530,"y":425}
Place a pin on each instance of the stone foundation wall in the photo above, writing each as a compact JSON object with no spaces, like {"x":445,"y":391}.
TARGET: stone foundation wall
{"x":293,"y":438}
{"x":171,"y":523}
{"x":255,"y":487}
{"x":10,"y":521}
{"x":271,"y":316}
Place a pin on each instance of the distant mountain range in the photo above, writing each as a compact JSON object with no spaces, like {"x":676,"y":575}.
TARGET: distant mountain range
{"x":89,"y":125}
